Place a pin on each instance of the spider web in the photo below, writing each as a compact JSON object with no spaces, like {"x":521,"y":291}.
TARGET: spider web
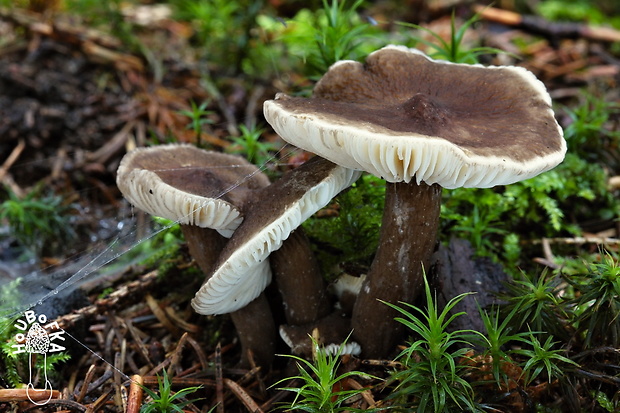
{"x":38,"y":288}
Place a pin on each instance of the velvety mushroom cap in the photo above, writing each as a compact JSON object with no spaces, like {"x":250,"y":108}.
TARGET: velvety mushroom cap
{"x":189,"y":185}
{"x":403,"y":115}
{"x":274,"y":212}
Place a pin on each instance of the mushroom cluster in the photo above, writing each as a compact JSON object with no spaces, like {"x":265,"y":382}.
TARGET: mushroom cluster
{"x":236,"y":224}
{"x":421,"y":125}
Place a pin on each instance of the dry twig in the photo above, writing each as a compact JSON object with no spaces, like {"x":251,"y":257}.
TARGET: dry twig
{"x":16,"y":395}
{"x":87,"y":380}
{"x":243,"y":396}
{"x":161,"y":316}
{"x":116,"y":299}
{"x":219,"y":379}
{"x":546,"y":28}
{"x":134,"y":401}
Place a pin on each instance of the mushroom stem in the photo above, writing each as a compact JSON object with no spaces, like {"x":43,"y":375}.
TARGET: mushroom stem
{"x":204,"y":245}
{"x":257,"y":332}
{"x":299,"y":280}
{"x":254,"y":323}
{"x":407,"y":241}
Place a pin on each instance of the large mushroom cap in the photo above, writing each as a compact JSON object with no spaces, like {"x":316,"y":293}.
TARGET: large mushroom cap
{"x":189,"y":185}
{"x":241,"y":273}
{"x":403,"y":115}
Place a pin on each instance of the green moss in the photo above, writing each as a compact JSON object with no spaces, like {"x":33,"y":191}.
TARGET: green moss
{"x":351,"y":236}
{"x":39,"y":222}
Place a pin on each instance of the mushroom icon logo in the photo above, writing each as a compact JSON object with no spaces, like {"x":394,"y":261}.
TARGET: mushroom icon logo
{"x":40,"y":338}
{"x":37,"y":341}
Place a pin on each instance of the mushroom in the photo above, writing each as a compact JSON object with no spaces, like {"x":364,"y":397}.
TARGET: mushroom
{"x":196,"y":188}
{"x":202,"y":191}
{"x":346,"y":288}
{"x":331,"y":331}
{"x":421,"y":125}
{"x":271,"y":217}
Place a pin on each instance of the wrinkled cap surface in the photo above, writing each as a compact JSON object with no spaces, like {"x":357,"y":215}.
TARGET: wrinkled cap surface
{"x":241,"y":272}
{"x":403,"y":116}
{"x":189,"y":185}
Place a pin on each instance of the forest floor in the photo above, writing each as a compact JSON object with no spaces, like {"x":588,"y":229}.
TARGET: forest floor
{"x":73,"y":101}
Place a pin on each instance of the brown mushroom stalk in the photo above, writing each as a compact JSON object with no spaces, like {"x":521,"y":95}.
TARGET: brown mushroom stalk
{"x":406,"y":243}
{"x":203,"y":244}
{"x":257,"y":338}
{"x":295,"y":269}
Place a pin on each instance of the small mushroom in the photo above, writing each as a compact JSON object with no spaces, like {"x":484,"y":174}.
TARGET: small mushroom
{"x":271,"y":217}
{"x":331,"y":331}
{"x":421,"y":125}
{"x":202,"y":190}
{"x":346,"y":288}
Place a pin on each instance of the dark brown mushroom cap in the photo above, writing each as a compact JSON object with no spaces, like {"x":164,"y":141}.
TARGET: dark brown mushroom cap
{"x":241,"y":273}
{"x":189,"y":185}
{"x":403,"y":115}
